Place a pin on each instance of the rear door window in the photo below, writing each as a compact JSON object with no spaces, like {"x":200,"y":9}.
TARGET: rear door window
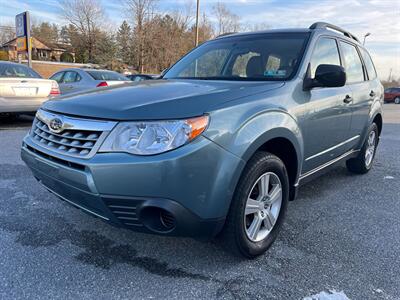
{"x":70,"y":77}
{"x":325,"y":52}
{"x":353,"y":65}
{"x":57,"y":77}
{"x":368,"y":64}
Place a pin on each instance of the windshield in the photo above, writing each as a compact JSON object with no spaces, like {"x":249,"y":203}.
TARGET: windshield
{"x":107,"y":75}
{"x":270,"y":56}
{"x":15,"y":70}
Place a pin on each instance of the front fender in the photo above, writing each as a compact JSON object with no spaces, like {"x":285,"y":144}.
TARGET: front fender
{"x":245,"y":137}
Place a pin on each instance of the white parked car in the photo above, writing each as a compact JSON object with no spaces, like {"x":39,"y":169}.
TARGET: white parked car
{"x":23,"y":90}
{"x":77,"y":80}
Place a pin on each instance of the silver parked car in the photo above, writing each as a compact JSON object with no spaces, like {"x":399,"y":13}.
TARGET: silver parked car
{"x":76,"y":80}
{"x":22,"y":89}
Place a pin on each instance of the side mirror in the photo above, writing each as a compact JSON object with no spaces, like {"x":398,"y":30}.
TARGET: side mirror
{"x":325,"y":76}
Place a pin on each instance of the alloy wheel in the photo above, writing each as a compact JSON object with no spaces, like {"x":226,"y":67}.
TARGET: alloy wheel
{"x":370,"y":151}
{"x":263,"y":206}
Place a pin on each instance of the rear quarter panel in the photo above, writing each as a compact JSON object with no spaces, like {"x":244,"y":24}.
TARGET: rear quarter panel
{"x":375,"y":108}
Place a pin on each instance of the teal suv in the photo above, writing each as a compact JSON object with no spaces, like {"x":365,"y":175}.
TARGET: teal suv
{"x":219,"y":144}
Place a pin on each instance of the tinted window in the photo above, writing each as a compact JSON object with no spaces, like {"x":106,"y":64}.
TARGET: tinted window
{"x":368,"y":64}
{"x":70,"y":77}
{"x":106,"y":75}
{"x":253,"y":57}
{"x":57,"y":77}
{"x":325,"y":52}
{"x":16,"y":70}
{"x":353,"y":65}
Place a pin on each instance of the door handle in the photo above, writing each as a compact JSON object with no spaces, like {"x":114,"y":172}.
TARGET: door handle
{"x":347,"y":99}
{"x":372,"y":94}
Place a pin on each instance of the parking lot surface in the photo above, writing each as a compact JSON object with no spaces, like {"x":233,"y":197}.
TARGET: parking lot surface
{"x":341,"y":236}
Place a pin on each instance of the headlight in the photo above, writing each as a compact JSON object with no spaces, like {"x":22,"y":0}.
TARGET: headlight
{"x":153,"y":137}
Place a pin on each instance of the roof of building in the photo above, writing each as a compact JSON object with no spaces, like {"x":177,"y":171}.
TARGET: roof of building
{"x":36,"y":43}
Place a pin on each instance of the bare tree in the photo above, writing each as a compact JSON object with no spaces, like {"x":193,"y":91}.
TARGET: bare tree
{"x":86,"y":16}
{"x":7,"y":33}
{"x":140,"y":11}
{"x":226,"y":20}
{"x":184,"y":17}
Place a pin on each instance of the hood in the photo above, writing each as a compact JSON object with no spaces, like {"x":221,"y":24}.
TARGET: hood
{"x":156,"y":99}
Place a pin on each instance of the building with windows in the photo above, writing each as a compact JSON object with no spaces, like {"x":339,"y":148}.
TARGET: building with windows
{"x":40,"y":51}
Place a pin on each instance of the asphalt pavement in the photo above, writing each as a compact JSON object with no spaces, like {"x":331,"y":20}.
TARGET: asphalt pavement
{"x":340,"y":240}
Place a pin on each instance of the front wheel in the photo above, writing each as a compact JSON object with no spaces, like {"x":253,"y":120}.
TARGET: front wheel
{"x":363,"y":162}
{"x":258,"y":207}
{"x":397,"y":100}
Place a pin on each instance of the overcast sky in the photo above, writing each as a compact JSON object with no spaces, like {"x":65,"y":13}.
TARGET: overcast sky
{"x":379,"y":17}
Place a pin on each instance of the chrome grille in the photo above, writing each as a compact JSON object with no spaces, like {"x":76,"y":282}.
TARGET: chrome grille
{"x":75,"y":137}
{"x":72,"y":142}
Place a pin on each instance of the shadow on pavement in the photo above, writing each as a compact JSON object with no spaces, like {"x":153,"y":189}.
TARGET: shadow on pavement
{"x":15,"y":122}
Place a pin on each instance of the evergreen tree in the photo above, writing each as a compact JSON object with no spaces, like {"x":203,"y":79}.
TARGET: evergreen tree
{"x":124,"y":35}
{"x":46,"y":33}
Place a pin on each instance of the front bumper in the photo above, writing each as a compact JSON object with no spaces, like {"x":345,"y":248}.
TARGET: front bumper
{"x":185,"y":192}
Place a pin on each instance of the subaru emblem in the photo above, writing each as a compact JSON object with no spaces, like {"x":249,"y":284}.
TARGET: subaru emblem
{"x":56,"y":125}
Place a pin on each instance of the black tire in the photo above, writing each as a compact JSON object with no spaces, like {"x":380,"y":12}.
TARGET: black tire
{"x":358,"y":164}
{"x":234,"y":236}
{"x":397,"y":100}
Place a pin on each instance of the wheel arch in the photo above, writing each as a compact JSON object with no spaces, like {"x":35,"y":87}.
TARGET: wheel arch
{"x":287,"y":144}
{"x":378,"y":120}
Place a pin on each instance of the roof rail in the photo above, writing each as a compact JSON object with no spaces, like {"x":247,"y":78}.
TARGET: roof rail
{"x":324,"y":25}
{"x":225,"y":34}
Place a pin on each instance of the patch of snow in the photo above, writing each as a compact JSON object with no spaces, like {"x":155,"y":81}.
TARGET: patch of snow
{"x":388,"y":177}
{"x":331,"y":295}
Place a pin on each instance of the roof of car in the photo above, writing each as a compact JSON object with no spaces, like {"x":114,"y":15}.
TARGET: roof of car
{"x":281,"y":30}
{"x":12,"y":63}
{"x":318,"y":27}
{"x":83,"y":69}
{"x":96,"y":70}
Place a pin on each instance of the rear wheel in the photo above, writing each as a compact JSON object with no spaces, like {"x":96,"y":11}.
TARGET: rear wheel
{"x":397,"y":100}
{"x":258,"y":207}
{"x":363,"y":162}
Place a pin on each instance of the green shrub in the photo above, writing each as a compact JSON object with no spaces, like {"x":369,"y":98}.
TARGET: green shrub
{"x":66,"y":57}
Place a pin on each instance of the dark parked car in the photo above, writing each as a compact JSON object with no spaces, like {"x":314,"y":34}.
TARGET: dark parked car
{"x":141,"y":77}
{"x":220,"y":144}
{"x":392,"y":95}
